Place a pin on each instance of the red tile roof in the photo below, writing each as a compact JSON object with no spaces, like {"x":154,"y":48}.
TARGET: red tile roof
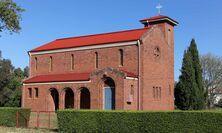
{"x":98,"y":39}
{"x":58,"y":78}
{"x":67,"y":77}
{"x":129,"y":74}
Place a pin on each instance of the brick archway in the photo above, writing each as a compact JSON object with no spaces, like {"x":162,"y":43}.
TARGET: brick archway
{"x":68,"y":98}
{"x":99,"y":77}
{"x":85,"y":98}
{"x":53,"y":99}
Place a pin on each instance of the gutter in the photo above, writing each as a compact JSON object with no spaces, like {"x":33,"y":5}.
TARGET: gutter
{"x":139,"y":75}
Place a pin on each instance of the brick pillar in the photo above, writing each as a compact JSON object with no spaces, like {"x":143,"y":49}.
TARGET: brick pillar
{"x":76,"y":105}
{"x":77,"y":99}
{"x":61,"y":100}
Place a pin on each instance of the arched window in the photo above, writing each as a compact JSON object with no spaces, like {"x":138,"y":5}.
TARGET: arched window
{"x":160,"y":92}
{"x":96,"y":60}
{"x":72,"y":62}
{"x":50,"y":64}
{"x":154,"y":93}
{"x":36,"y":63}
{"x":121,"y":57}
{"x":157,"y":92}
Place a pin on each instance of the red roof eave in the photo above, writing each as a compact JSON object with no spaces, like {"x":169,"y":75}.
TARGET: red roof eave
{"x":59,"y":78}
{"x":71,"y":77}
{"x":129,"y":74}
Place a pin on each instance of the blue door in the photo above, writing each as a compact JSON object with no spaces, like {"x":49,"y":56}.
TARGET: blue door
{"x":108,"y":98}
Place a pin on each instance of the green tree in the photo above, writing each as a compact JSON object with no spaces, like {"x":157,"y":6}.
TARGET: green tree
{"x":15,"y":86}
{"x":201,"y":98}
{"x":10,"y":16}
{"x":10,"y":84}
{"x":189,"y":92}
{"x":26,"y":72}
{"x":5,"y":74}
{"x":184,"y":88}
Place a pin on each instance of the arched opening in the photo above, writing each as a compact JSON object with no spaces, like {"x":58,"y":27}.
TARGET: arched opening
{"x":55,"y":99}
{"x":109,"y":94}
{"x":84,"y":99}
{"x":69,"y":98}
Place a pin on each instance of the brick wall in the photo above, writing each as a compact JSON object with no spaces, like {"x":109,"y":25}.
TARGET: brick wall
{"x":84,"y":61}
{"x":157,"y":81}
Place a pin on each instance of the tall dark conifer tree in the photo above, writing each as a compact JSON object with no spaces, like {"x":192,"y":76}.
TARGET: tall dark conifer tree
{"x":189,"y":92}
{"x":183,"y":90}
{"x":198,"y":74}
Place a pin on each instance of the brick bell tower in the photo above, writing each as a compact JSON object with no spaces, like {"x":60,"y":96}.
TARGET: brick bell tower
{"x":165,"y":23}
{"x":163,"y":67}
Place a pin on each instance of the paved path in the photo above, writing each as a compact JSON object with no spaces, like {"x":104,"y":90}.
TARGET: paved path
{"x":23,"y":130}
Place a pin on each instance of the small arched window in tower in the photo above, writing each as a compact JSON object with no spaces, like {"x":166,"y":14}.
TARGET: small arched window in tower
{"x":157,"y":93}
{"x":96,"y":60}
{"x":36,"y":63}
{"x":121,"y":57}
{"x":50,"y":63}
{"x":160,"y":92}
{"x":72,"y":62}
{"x":154,"y":92}
{"x":156,"y":52}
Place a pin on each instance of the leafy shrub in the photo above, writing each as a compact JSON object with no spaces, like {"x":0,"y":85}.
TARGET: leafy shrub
{"x":135,"y":122}
{"x":8,"y":116}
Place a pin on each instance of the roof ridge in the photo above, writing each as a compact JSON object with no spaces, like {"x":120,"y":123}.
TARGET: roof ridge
{"x":102,"y":33}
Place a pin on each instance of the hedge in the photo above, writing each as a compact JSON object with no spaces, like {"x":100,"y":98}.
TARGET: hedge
{"x":83,"y":121}
{"x":8,"y":116}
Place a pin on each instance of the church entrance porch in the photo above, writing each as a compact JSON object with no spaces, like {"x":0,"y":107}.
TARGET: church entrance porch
{"x":106,"y":89}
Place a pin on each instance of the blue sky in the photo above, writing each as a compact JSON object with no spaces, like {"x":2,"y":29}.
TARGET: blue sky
{"x":46,"y":20}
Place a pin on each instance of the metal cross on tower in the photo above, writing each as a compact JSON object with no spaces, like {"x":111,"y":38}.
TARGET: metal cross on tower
{"x":158,"y":7}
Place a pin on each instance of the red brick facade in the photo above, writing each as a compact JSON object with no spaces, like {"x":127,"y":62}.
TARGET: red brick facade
{"x":142,"y":79}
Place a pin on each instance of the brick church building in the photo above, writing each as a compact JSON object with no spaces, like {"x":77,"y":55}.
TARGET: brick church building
{"x":124,"y":70}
